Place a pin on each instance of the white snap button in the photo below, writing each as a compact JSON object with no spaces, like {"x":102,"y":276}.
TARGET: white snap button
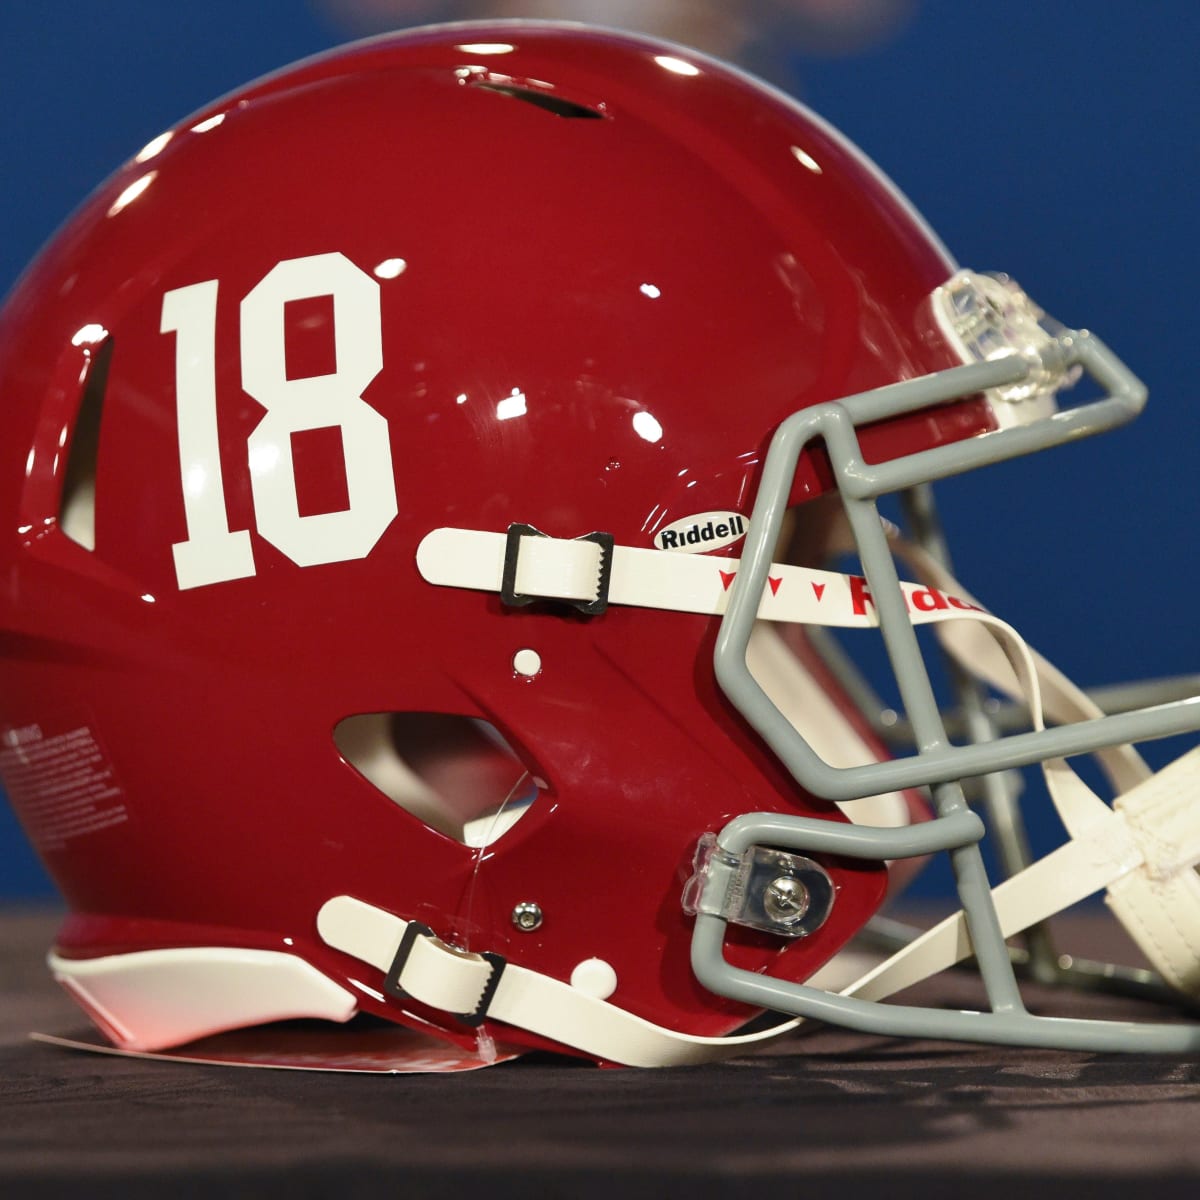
{"x":527,"y":662}
{"x":594,"y":977}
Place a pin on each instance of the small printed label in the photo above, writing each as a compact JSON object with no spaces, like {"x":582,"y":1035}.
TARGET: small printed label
{"x":702,"y":532}
{"x":60,"y":783}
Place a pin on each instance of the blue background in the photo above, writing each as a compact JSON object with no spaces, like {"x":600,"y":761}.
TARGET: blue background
{"x":1057,"y":141}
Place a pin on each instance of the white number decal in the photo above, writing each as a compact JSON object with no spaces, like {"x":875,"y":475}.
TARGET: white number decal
{"x":212,"y":553}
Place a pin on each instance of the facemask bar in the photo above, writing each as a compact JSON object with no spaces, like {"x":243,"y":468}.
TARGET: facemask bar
{"x":998,"y":794}
{"x":981,"y":718}
{"x":936,"y":763}
{"x":860,"y":484}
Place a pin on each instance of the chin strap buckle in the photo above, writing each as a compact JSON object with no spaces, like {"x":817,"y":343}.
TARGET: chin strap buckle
{"x":557,"y":569}
{"x":430,"y":944}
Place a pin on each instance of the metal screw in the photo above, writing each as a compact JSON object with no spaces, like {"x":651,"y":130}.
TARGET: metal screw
{"x":785,"y":900}
{"x":527,"y":916}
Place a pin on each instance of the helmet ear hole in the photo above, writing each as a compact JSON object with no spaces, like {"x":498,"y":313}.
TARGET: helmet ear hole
{"x":454,"y":773}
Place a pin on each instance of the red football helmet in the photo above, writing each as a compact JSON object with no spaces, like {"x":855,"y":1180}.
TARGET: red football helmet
{"x":378,"y":445}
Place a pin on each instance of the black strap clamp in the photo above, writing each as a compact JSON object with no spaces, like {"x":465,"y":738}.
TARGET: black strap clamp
{"x":508,"y":580}
{"x":393,"y":986}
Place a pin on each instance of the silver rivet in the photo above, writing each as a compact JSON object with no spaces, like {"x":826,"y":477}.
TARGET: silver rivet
{"x":527,"y":916}
{"x":785,"y":900}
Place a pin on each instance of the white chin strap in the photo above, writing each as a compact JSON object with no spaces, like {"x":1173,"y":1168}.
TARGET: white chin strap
{"x":1143,"y":849}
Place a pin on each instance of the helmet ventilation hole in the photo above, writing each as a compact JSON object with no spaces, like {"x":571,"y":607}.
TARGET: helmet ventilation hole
{"x":77,"y":510}
{"x":541,"y":99}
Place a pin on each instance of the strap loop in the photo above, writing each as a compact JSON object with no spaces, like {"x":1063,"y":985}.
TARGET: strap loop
{"x":394,"y":986}
{"x":562,"y":570}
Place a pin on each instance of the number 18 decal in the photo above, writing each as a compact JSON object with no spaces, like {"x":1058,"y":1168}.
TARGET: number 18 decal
{"x":213,"y":552}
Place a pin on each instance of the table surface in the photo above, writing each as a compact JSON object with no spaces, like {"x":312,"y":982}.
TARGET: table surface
{"x":827,"y":1109}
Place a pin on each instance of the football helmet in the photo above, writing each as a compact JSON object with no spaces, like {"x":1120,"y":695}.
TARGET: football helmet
{"x":427,"y":481}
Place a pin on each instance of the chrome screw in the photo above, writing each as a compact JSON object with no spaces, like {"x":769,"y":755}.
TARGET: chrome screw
{"x":785,"y":900}
{"x":527,"y":916}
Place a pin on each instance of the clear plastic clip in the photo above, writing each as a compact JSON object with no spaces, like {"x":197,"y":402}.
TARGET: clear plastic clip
{"x":771,"y":890}
{"x":989,"y":316}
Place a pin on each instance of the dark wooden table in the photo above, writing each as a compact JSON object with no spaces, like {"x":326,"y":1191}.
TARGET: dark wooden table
{"x":827,"y":1113}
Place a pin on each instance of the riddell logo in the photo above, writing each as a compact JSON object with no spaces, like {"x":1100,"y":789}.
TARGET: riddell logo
{"x":704,"y":531}
{"x":923,"y":599}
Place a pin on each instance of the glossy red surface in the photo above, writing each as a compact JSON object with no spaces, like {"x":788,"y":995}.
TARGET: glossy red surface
{"x":702,"y":251}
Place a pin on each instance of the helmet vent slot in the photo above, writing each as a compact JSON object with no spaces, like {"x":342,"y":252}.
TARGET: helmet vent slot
{"x":456,"y":774}
{"x":547,"y":101}
{"x":77,"y":509}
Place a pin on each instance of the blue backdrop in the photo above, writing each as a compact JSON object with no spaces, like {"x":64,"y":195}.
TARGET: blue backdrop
{"x":1056,"y":141}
